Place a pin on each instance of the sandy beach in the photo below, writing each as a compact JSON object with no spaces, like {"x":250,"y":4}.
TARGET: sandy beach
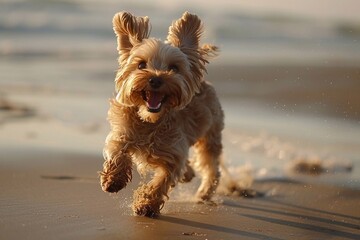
{"x":50,"y":188}
{"x":288,"y":80}
{"x":56,"y":195}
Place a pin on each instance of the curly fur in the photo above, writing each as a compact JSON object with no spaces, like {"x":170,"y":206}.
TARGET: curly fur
{"x":162,"y":108}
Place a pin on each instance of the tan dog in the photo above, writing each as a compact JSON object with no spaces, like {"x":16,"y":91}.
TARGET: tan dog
{"x":163,"y":107}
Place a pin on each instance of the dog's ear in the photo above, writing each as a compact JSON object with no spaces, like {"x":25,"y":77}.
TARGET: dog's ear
{"x":130,"y":30}
{"x":185,"y":33}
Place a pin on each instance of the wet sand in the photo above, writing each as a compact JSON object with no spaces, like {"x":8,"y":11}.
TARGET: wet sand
{"x":330,"y":89}
{"x":56,"y":195}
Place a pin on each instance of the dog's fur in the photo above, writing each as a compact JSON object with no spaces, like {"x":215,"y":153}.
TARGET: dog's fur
{"x":162,"y":108}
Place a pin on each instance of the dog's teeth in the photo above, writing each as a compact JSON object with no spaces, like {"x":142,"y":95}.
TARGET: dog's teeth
{"x":154,"y":108}
{"x":153,"y":100}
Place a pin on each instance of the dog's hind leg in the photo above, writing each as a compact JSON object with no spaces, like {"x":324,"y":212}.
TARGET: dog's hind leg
{"x":189,"y":173}
{"x":208,"y":151}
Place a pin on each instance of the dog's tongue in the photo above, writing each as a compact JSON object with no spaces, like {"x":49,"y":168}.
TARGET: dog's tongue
{"x":154,"y":99}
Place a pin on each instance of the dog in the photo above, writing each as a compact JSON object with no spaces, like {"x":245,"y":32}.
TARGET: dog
{"x":162,"y":108}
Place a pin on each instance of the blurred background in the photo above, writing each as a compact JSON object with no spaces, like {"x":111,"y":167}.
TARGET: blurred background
{"x":288,"y":76}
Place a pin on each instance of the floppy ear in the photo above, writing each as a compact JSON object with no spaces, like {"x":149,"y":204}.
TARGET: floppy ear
{"x":185,"y":33}
{"x":130,"y":30}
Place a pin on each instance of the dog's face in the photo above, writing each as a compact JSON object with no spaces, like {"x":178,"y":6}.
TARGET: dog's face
{"x":158,"y":78}
{"x":154,"y":76}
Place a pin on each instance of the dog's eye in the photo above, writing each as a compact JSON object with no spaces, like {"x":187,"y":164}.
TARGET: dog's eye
{"x":173,"y":68}
{"x":142,"y":65}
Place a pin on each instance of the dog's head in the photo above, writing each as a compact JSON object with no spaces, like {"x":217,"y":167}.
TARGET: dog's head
{"x":155,"y":76}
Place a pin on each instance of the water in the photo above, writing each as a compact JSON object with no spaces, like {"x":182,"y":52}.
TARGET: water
{"x":246,"y":32}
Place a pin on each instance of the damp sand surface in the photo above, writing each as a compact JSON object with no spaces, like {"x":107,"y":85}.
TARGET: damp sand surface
{"x":56,"y":195}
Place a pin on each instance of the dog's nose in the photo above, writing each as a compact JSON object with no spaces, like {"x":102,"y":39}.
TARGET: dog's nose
{"x":155,"y":82}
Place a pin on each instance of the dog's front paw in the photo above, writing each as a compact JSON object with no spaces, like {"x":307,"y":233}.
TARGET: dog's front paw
{"x":116,"y":174}
{"x":111,"y":183}
{"x":114,"y":181}
{"x":147,"y":211}
{"x":146,"y":203}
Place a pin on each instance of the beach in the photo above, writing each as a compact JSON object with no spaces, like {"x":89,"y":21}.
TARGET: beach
{"x":56,"y":195}
{"x":292,"y":125}
{"x":50,"y":187}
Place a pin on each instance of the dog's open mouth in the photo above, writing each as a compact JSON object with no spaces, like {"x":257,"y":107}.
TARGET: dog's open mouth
{"x":154,"y":100}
